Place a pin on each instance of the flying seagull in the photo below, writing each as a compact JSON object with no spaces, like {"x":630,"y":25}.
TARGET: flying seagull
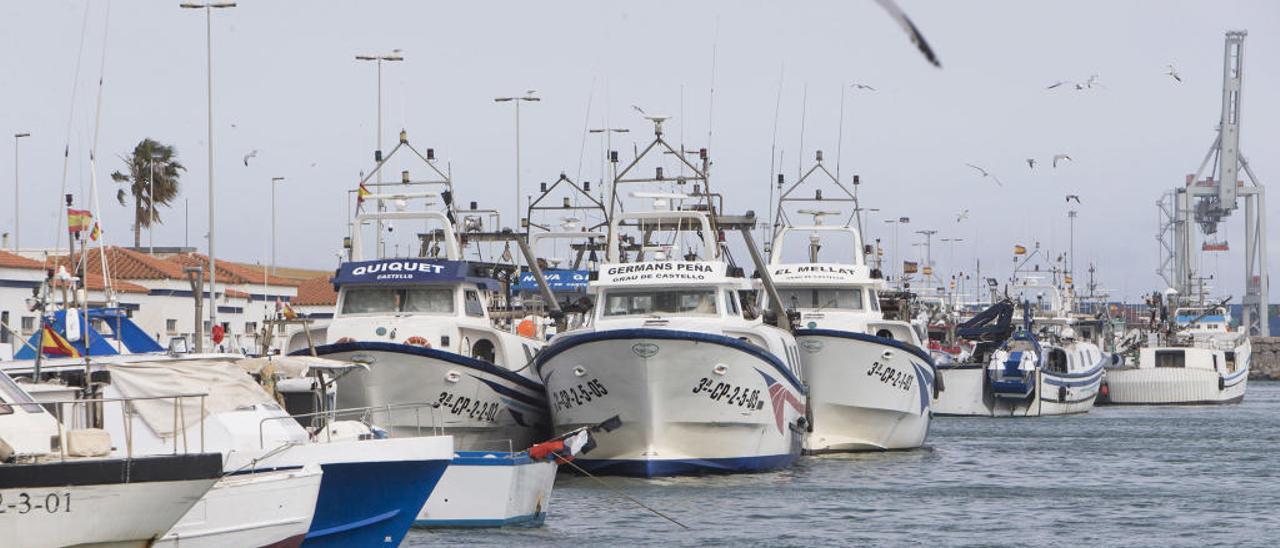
{"x":1092,"y":81}
{"x":856,"y":85}
{"x":1031,"y":163}
{"x":962,"y":215}
{"x":1174,"y":74}
{"x":640,"y":110}
{"x":985,"y":173}
{"x":1073,"y":197}
{"x":251,"y":154}
{"x":1059,"y":83}
{"x":916,"y":38}
{"x":1057,"y":157}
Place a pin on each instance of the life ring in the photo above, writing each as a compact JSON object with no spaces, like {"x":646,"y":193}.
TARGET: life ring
{"x":418,"y":341}
{"x":526,"y":328}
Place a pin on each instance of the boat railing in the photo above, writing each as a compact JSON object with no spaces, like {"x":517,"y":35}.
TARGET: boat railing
{"x":361,"y":414}
{"x":91,"y":410}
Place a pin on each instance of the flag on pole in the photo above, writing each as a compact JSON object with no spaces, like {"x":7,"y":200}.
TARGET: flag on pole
{"x":52,"y":344}
{"x":362,"y":193}
{"x":289,"y":312}
{"x":78,"y":220}
{"x":1019,"y":250}
{"x":96,"y":233}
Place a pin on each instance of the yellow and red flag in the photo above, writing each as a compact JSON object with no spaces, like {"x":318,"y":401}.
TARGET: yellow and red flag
{"x":362,"y":193}
{"x":78,"y":220}
{"x":289,"y":312}
{"x":52,"y":344}
{"x":96,"y":232}
{"x":1019,"y":250}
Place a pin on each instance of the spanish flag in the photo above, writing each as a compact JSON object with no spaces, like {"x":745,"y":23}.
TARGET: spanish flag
{"x":78,"y":220}
{"x":1019,"y":250}
{"x":52,"y":344}
{"x":289,"y":312}
{"x":362,"y":193}
{"x":96,"y":233}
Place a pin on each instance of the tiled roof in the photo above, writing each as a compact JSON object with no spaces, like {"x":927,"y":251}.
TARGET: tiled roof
{"x":95,"y":284}
{"x":235,"y":293}
{"x":233,"y":272}
{"x":9,"y":260}
{"x":316,"y":292}
{"x":127,"y":264}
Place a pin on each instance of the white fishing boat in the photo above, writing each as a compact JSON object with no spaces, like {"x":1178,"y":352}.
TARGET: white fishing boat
{"x":870,"y":381}
{"x":700,"y":382}
{"x":73,"y":492}
{"x":1201,"y":361}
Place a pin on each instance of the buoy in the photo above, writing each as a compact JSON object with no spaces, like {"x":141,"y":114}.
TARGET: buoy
{"x":418,"y":341}
{"x":526,"y":328}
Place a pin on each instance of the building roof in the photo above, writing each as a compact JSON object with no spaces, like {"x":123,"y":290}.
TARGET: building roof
{"x":316,"y":292}
{"x":233,"y":272}
{"x":95,"y":283}
{"x":126,"y":264}
{"x":9,"y":260}
{"x":235,"y":293}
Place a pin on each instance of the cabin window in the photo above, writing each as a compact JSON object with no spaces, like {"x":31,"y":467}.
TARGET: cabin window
{"x":371,"y":300}
{"x":875,"y":300}
{"x":4,"y":329}
{"x":819,"y":298}
{"x":1171,"y":358}
{"x":1057,"y":362}
{"x":28,"y":325}
{"x":367,"y":300}
{"x":429,"y":300}
{"x":472,"y":301}
{"x":694,"y":301}
{"x":731,"y":303}
{"x":171,"y":326}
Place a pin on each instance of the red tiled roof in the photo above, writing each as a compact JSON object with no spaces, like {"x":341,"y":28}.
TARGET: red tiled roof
{"x":235,"y":293}
{"x":95,"y":284}
{"x":316,"y":292}
{"x":9,"y":260}
{"x":233,"y":272}
{"x":127,"y":264}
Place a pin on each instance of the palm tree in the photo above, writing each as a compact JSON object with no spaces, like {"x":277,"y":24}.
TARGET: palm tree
{"x":149,"y":157}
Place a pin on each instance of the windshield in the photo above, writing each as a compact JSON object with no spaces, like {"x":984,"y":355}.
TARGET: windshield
{"x":372,"y":300}
{"x":826,"y":298}
{"x":691,"y":301}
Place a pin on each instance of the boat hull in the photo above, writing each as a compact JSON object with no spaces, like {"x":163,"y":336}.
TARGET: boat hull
{"x":253,"y":509}
{"x":1168,"y":386}
{"x":866,"y":392}
{"x":688,"y":403}
{"x":969,"y":394}
{"x":110,"y":502}
{"x":490,"y":489}
{"x":484,"y":407}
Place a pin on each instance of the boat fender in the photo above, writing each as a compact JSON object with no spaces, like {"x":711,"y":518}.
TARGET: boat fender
{"x":1062,"y":394}
{"x":1222,"y":384}
{"x":1105,"y":391}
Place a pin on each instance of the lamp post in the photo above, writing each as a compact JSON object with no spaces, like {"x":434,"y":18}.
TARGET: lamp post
{"x":896,"y":259}
{"x":16,"y":186}
{"x":608,"y":146}
{"x":928,"y":251}
{"x":394,"y":56}
{"x":274,"y":180}
{"x":208,"y":8}
{"x":528,"y":96}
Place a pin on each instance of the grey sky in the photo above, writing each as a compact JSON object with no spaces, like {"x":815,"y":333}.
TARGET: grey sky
{"x":285,"y":77}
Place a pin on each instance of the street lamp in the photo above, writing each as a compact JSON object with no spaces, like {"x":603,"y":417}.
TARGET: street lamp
{"x":528,"y":96}
{"x":274,"y":180}
{"x":377,"y":154}
{"x":16,"y":186}
{"x":608,"y":146}
{"x":895,"y":223}
{"x":208,"y":8}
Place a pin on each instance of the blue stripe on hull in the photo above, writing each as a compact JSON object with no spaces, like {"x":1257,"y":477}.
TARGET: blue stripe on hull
{"x":371,"y":503}
{"x":528,"y":520}
{"x":686,"y":467}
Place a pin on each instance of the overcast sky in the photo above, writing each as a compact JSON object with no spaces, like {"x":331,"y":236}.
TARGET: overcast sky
{"x":286,"y":84}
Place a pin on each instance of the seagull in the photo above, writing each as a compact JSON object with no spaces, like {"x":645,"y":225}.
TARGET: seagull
{"x":962,"y":215}
{"x":856,"y":85}
{"x":1073,"y":197}
{"x":1031,"y":163}
{"x":1092,"y":81}
{"x":1057,"y":157}
{"x":640,"y":110}
{"x":985,"y":173}
{"x":916,"y":38}
{"x":1174,"y":73}
{"x":1059,"y":83}
{"x":252,"y":154}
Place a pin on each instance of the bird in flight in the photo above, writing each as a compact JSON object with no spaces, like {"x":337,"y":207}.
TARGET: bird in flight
{"x":985,"y":173}
{"x":1173,"y":73}
{"x":1078,"y":86}
{"x":1073,"y":197}
{"x":1057,"y":157}
{"x":905,"y":22}
{"x":1031,"y":163}
{"x":251,"y":154}
{"x":962,"y":215}
{"x":856,"y":85}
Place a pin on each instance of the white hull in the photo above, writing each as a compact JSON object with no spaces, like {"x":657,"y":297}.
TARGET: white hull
{"x":256,"y":509}
{"x":865,"y":395}
{"x":118,"y":514}
{"x":490,"y":491}
{"x":473,"y":406}
{"x":966,"y":394}
{"x":1167,"y":386}
{"x":686,"y":406}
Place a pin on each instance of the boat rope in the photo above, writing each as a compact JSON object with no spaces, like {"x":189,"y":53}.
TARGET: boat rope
{"x":253,"y":464}
{"x":619,"y":492}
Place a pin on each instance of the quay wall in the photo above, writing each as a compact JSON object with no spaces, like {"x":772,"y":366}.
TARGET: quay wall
{"x":1265,"y":362}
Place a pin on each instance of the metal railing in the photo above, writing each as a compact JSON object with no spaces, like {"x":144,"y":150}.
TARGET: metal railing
{"x":364,"y":414}
{"x":91,"y":410}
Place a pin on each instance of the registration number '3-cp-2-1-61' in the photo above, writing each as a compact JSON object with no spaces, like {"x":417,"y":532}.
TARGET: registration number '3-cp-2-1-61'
{"x":25,"y":503}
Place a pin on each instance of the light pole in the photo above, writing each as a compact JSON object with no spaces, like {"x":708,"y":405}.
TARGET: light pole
{"x":274,"y":180}
{"x":528,"y":96}
{"x":898,"y":264}
{"x":377,"y":154}
{"x":208,"y":8}
{"x":16,"y":187}
{"x":608,"y":146}
{"x":1071,"y":249}
{"x":928,"y":251}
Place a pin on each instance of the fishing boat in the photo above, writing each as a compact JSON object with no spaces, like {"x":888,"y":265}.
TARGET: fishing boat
{"x":74,"y":492}
{"x":1198,"y":360}
{"x":870,"y":381}
{"x":699,"y":381}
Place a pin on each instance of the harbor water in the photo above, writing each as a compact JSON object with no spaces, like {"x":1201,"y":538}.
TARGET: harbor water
{"x":1131,"y":476}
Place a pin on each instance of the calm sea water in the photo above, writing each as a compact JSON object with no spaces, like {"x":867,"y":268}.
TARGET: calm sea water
{"x":1134,"y":476}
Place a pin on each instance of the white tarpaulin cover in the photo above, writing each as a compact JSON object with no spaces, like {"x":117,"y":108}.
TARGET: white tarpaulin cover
{"x":290,"y":367}
{"x":228,"y":387}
